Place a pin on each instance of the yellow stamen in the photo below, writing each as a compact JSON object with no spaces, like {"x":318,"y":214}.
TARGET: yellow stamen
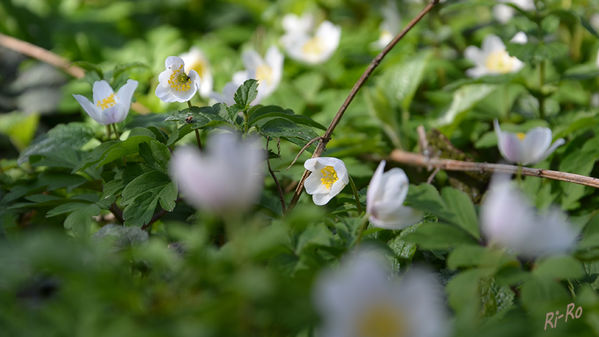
{"x":313,"y":46}
{"x":499,"y":62}
{"x":200,"y":68}
{"x":264,"y":73}
{"x":329,"y":176}
{"x":179,"y":80}
{"x":107,"y":102}
{"x":520,"y":135}
{"x":381,"y":320}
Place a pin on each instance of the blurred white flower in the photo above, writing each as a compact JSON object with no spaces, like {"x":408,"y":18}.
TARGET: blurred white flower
{"x":385,"y":197}
{"x":267,"y":71}
{"x":503,"y":13}
{"x":360,"y":299}
{"x":595,"y":100}
{"x":176,"y":85}
{"x":226,"y":178}
{"x":195,"y":59}
{"x":492,"y":58}
{"x":520,"y":38}
{"x":327,"y":178}
{"x":509,"y":220}
{"x":390,"y":25}
{"x":303,"y":45}
{"x":108,"y":107}
{"x":594,"y":21}
{"x":529,"y":148}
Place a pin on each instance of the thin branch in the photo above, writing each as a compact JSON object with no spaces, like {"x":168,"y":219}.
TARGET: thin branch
{"x":274,"y":177}
{"x":371,"y":67}
{"x":415,"y":159}
{"x":302,"y":151}
{"x":157,"y":217}
{"x":53,"y":59}
{"x":118,"y":213}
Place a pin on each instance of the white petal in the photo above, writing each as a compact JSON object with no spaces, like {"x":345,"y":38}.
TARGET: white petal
{"x":375,"y":187}
{"x":492,"y":43}
{"x":321,"y":199}
{"x":173,"y":62}
{"x":510,"y":146}
{"x":503,"y":13}
{"x":313,"y":183}
{"x":397,"y":218}
{"x":91,"y":109}
{"x":475,"y":55}
{"x":111,"y":115}
{"x":535,"y":144}
{"x":165,"y":94}
{"x":520,"y":38}
{"x":101,"y":90}
{"x":124,"y":96}
{"x":552,"y":148}
{"x":251,"y":60}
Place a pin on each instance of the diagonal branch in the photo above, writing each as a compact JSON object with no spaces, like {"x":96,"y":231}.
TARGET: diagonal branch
{"x":371,"y":67}
{"x":415,"y":159}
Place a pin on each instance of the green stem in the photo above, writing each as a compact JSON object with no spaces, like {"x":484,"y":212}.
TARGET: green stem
{"x":189,"y":104}
{"x":108,"y":131}
{"x":361,"y":229}
{"x":519,"y":174}
{"x":198,"y":139}
{"x":355,"y":190}
{"x":116,"y":132}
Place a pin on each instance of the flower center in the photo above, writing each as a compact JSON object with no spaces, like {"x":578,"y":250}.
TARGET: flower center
{"x":200,"y":68}
{"x":179,"y":80}
{"x":329,"y":176}
{"x":264,"y":73}
{"x":499,"y":62}
{"x":521,"y":136}
{"x":313,"y":46}
{"x":107,"y":102}
{"x":381,"y":320}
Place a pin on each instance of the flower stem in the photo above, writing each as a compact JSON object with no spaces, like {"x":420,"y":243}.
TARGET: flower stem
{"x":355,"y":190}
{"x":198,"y":139}
{"x":108,"y":131}
{"x":361,"y":229}
{"x":189,"y":104}
{"x":116,"y":132}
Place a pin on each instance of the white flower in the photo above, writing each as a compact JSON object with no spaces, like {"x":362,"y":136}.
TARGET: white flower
{"x":176,"y":85}
{"x":390,"y":25}
{"x":194,"y":59}
{"x":227,"y":177}
{"x":520,"y":38}
{"x":108,"y":107}
{"x":267,"y":72}
{"x":361,"y":300}
{"x":327,"y":178}
{"x":529,"y":148}
{"x":504,"y":13}
{"x":509,"y":220}
{"x":295,"y":24}
{"x":384,"y":199}
{"x":595,"y":100}
{"x":491,"y":59}
{"x":313,"y":48}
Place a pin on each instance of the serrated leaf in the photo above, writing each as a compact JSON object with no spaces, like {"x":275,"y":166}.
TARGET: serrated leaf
{"x":425,"y":197}
{"x":273,"y":111}
{"x":434,"y":235}
{"x":199,"y":117}
{"x":122,"y":149}
{"x":559,"y":267}
{"x":246,"y":93}
{"x":283,"y":128}
{"x":64,"y":136}
{"x":142,"y":194}
{"x":80,"y":220}
{"x":460,"y":204}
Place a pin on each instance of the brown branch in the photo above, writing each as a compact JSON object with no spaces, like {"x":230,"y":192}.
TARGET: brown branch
{"x":117,"y":212}
{"x":302,"y":151}
{"x":157,"y":217}
{"x":371,"y":67}
{"x":274,"y":177}
{"x":53,"y":59}
{"x":415,"y":159}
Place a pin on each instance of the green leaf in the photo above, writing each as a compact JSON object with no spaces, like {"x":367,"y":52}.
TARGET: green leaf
{"x":19,"y":127}
{"x":286,"y":129}
{"x":559,"y":267}
{"x":404,"y":79}
{"x":434,"y":235}
{"x":461,"y":205}
{"x":578,"y":160}
{"x":66,"y":208}
{"x":425,"y":197}
{"x":534,"y":52}
{"x":464,"y":99}
{"x":80,"y":221}
{"x":155,"y":154}
{"x":142,"y":195}
{"x":246,"y":93}
{"x":64,"y":136}
{"x":122,"y":149}
{"x":314,"y":235}
{"x":199,"y":117}
{"x":273,"y":111}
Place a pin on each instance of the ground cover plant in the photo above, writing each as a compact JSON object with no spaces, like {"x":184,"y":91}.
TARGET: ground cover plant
{"x":299,"y":168}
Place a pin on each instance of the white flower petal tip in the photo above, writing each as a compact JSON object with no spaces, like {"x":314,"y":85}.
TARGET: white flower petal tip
{"x":195,"y":60}
{"x":504,"y":13}
{"x":108,"y":107}
{"x":385,"y":197}
{"x":175,"y":85}
{"x":362,"y":298}
{"x":509,"y":220}
{"x":390,"y":25}
{"x":226,"y":178}
{"x":526,"y":149}
{"x":491,"y":59}
{"x":327,"y":178}
{"x":306,"y":44}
